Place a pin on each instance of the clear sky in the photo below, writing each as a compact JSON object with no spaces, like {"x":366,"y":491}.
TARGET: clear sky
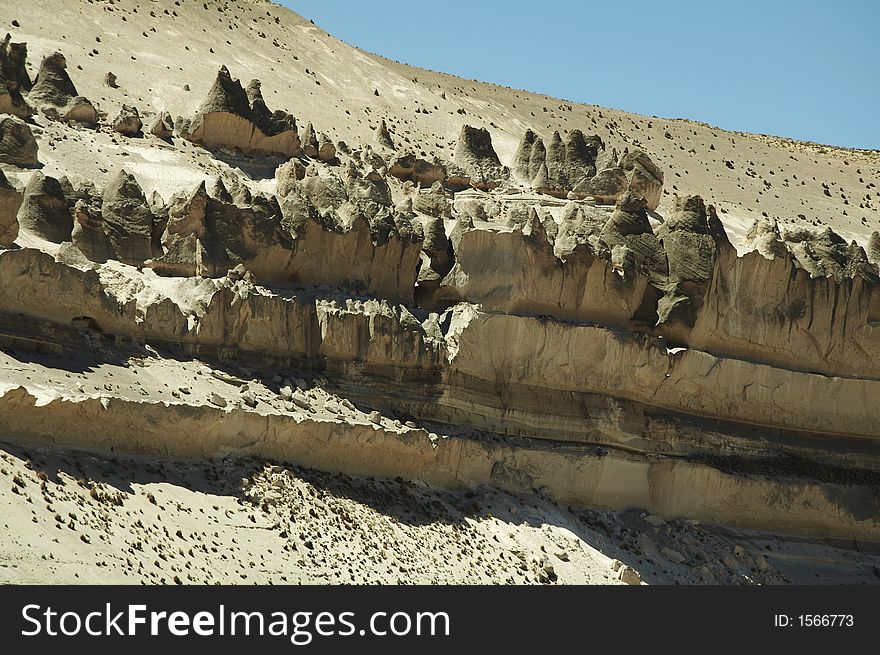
{"x":806,"y":69}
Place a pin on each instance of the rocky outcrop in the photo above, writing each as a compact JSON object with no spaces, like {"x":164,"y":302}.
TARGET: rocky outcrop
{"x":234,"y":119}
{"x":631,"y":240}
{"x":10,"y":202}
{"x":580,"y":166}
{"x":606,"y":186}
{"x":692,"y":238}
{"x":627,"y":392}
{"x":476,"y":157}
{"x":560,"y":166}
{"x":44,"y":210}
{"x":128,"y":122}
{"x":17,"y":143}
{"x":766,"y":306}
{"x":409,"y":168}
{"x":55,"y":94}
{"x":14,"y":79}
{"x":382,"y":136}
{"x":88,"y":233}
{"x":317,"y":145}
{"x":517,"y":272}
{"x":643,"y":177}
{"x":128,"y":221}
{"x":163,"y":126}
{"x":287,"y":175}
{"x":304,"y":241}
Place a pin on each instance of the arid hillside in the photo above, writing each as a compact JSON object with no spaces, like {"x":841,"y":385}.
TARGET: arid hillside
{"x":274,"y":309}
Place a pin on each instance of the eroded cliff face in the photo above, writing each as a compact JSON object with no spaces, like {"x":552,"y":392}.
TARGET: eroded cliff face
{"x":569,"y":336}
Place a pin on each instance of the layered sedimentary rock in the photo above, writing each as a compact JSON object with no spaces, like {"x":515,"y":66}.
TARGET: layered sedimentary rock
{"x":476,"y":157}
{"x":14,"y":79}
{"x":54,"y":92}
{"x":17,"y":143}
{"x":517,"y":272}
{"x":239,"y":120}
{"x":526,"y":377}
{"x":766,"y":306}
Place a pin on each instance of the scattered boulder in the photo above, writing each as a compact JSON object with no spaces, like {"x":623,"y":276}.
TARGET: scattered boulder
{"x":54,"y":91}
{"x":163,"y":126}
{"x":128,"y":122}
{"x":110,"y":80}
{"x":10,"y":202}
{"x":17,"y":143}
{"x":44,"y":211}
{"x":235,"y":119}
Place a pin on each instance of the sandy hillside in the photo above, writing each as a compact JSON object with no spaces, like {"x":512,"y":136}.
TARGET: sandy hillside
{"x":160,"y":49}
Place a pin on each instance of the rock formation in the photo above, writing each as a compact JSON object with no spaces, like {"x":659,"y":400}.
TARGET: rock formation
{"x":643,"y":177}
{"x":409,"y":168}
{"x":14,"y":79}
{"x":44,"y":211}
{"x":163,"y":126}
{"x":128,"y":221}
{"x":127,"y":122}
{"x":559,"y":167}
{"x":54,"y":92}
{"x":235,"y":119}
{"x":17,"y":143}
{"x":405,"y":305}
{"x":88,"y":234}
{"x":290,"y":244}
{"x":475,"y":155}
{"x":10,"y":201}
{"x":382,"y":136}
{"x":581,"y":166}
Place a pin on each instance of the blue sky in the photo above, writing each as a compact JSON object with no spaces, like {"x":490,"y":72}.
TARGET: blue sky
{"x":808,"y":70}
